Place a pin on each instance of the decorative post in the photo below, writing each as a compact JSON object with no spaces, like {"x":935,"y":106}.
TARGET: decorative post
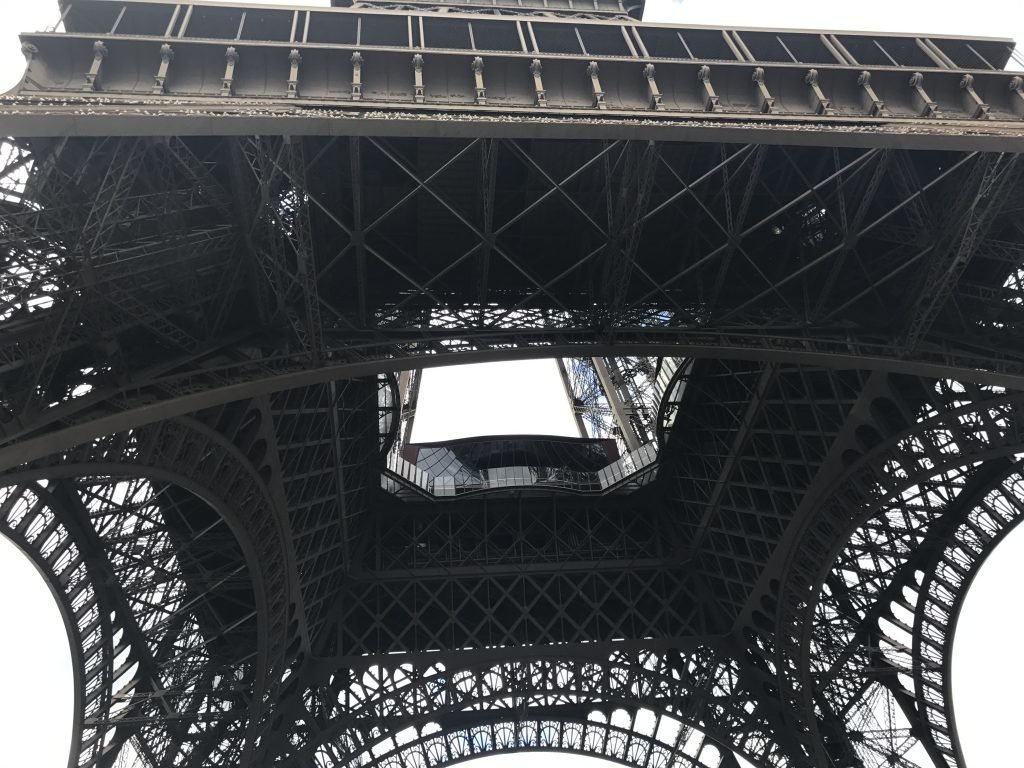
{"x":761,"y":91}
{"x":357,"y":76}
{"x":654,"y":100}
{"x":231,"y":60}
{"x":536,"y":69}
{"x":166,"y":57}
{"x":478,"y":76}
{"x":819,"y":104}
{"x":1017,"y":91}
{"x":925,"y":106}
{"x":294,"y":58}
{"x":28,"y":51}
{"x":92,"y":77}
{"x":595,"y":85}
{"x":417,"y":72}
{"x":973,"y":105}
{"x":711,"y":101}
{"x":873,"y":105}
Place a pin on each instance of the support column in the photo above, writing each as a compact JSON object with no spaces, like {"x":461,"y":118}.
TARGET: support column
{"x":973,"y":105}
{"x":1017,"y":91}
{"x":710,"y":98}
{"x":29,"y":51}
{"x":873,"y":105}
{"x":231,"y":61}
{"x":576,"y":415}
{"x":654,"y":100}
{"x":619,"y":413}
{"x":478,"y":77}
{"x":294,"y":59}
{"x":409,"y":393}
{"x":313,"y":335}
{"x":595,"y":85}
{"x":92,"y":77}
{"x":417,"y":76}
{"x":819,"y":103}
{"x":922,"y":101}
{"x":166,"y":57}
{"x":541,"y":96}
{"x":761,"y":92}
{"x":357,"y":76}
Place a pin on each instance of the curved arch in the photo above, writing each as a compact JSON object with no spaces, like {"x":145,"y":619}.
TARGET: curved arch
{"x":40,"y":667}
{"x":955,"y":438}
{"x":671,"y":401}
{"x":864,"y":478}
{"x":389,"y":410}
{"x":190,"y":455}
{"x":23,"y":521}
{"x":675,"y":703}
{"x":573,"y":736}
{"x":914,"y":621}
{"x":135,"y":615}
{"x":944,"y":590}
{"x":195,"y":391}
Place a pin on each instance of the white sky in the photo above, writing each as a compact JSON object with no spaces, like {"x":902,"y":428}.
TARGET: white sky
{"x":35,"y":668}
{"x":517,"y":398}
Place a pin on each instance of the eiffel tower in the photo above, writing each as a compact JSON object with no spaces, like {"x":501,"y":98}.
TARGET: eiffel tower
{"x":782,"y":273}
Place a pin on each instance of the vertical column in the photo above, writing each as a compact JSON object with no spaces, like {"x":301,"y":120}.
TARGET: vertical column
{"x":541,"y":96}
{"x":761,"y":90}
{"x":595,"y":85}
{"x":294,"y":59}
{"x":29,"y":51}
{"x":710,"y":98}
{"x":567,"y":384}
{"x":1017,"y":94}
{"x":417,"y":75}
{"x":654,"y":100}
{"x":820,"y":104}
{"x":230,"y":62}
{"x":478,"y":77}
{"x":925,"y":106}
{"x":304,"y":250}
{"x":618,"y":408}
{"x":357,"y":76}
{"x":166,"y":57}
{"x":873,"y":105}
{"x":92,"y":77}
{"x":973,"y":105}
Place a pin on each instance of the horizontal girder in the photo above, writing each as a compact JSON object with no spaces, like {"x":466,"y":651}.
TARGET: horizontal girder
{"x":219,"y":70}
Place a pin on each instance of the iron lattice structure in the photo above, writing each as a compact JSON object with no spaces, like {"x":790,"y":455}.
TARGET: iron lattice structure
{"x":782,"y":272}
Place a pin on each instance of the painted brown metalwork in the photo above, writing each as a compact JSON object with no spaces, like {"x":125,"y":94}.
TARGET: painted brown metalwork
{"x":781,"y":271}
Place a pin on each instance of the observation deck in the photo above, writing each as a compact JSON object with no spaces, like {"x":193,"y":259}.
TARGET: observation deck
{"x":624,"y":410}
{"x":576,"y":8}
{"x":525,"y":463}
{"x":514,"y":70}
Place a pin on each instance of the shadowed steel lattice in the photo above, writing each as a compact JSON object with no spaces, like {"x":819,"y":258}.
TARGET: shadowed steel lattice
{"x":781,"y":273}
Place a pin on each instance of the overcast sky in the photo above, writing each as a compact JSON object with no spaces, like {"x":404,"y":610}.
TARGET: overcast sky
{"x":35,"y":670}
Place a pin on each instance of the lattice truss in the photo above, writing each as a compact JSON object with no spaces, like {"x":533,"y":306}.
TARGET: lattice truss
{"x":595,"y":385}
{"x":164,"y":625}
{"x":199,"y":342}
{"x":136,"y":249}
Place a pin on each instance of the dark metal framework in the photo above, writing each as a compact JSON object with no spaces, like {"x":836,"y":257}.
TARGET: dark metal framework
{"x":790,"y":264}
